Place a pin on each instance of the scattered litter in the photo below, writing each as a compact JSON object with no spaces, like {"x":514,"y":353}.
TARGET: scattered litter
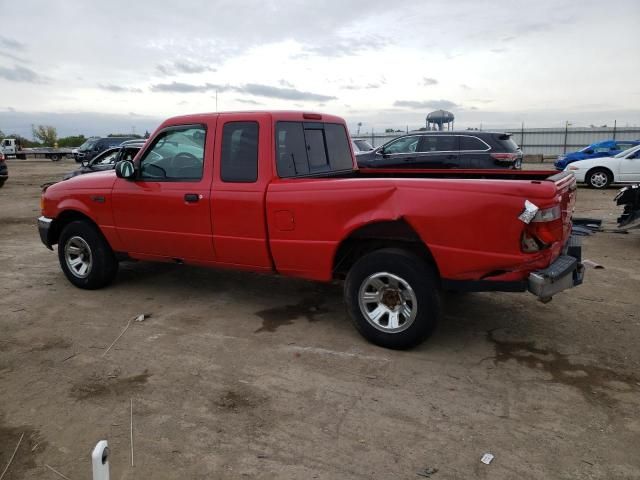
{"x":70,"y":357}
{"x":487,"y":458}
{"x":131,"y":431}
{"x":139,"y":318}
{"x":11,"y":459}
{"x":371,"y":377}
{"x":588,"y":463}
{"x":427,"y":472}
{"x":592,"y":264}
{"x":262,"y":455}
{"x":56,"y":472}
{"x":34,"y":447}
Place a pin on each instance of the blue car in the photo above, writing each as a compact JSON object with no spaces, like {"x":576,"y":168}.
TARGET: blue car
{"x":608,"y":148}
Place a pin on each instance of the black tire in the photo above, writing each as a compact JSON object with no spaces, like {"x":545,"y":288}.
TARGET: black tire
{"x":54,"y":157}
{"x":103,"y":263}
{"x":599,"y":178}
{"x":421,"y":279}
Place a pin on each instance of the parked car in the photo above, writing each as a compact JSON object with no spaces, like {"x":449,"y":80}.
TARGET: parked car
{"x":360,"y":146}
{"x":469,"y":150}
{"x":301,"y":208}
{"x":107,"y":159}
{"x":4,"y":170}
{"x":94,"y":146}
{"x":603,"y":171}
{"x":608,"y":148}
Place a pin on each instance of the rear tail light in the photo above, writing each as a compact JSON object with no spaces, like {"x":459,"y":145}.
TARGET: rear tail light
{"x":505,"y":157}
{"x":544,"y":229}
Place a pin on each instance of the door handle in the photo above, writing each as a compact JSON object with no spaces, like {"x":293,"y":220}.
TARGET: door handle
{"x":191,"y":197}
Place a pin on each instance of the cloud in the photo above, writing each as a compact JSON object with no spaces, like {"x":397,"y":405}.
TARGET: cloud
{"x":368,"y":86}
{"x":464,"y":86}
{"x":118,"y":88}
{"x":345,"y":46}
{"x":248,"y":101}
{"x":435,"y":104}
{"x":426,"y":81}
{"x":498,"y":50}
{"x":284,"y":83}
{"x":283,"y":93}
{"x":21,"y":74}
{"x":10,"y":43}
{"x":180,"y":87}
{"x":184,"y":66}
{"x":255,"y":89}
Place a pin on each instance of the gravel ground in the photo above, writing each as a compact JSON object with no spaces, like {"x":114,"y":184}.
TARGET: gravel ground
{"x":237,"y":375}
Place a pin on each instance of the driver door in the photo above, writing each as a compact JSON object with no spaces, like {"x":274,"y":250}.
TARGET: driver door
{"x":165,"y":210}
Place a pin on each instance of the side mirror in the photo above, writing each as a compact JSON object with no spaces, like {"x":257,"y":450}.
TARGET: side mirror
{"x":125,"y":169}
{"x":588,"y":152}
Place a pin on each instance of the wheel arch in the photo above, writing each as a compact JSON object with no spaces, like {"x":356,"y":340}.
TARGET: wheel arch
{"x":603,"y":168}
{"x":63,"y":219}
{"x":375,"y":236}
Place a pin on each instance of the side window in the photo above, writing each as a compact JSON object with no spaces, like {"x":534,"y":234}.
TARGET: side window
{"x":624,"y":146}
{"x":109,"y":158}
{"x":307,"y":148}
{"x":471,"y":143}
{"x":177,"y":154}
{"x":239,"y":162}
{"x":403,"y":145}
{"x":446,"y":143}
{"x":602,"y":149}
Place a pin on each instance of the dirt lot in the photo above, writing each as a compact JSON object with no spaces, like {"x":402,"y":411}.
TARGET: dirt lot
{"x":245,"y":376}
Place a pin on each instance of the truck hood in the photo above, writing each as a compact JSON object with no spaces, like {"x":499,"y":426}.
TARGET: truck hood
{"x":96,"y":180}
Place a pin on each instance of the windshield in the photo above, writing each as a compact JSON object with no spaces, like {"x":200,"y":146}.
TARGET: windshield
{"x":627,"y":152}
{"x":88,"y":145}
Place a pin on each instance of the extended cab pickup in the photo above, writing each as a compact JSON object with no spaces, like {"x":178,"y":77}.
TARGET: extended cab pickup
{"x":280,"y":192}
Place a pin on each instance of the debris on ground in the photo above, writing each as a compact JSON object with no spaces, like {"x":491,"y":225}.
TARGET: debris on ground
{"x":12,"y":456}
{"x":487,"y":458}
{"x":592,"y":264}
{"x":427,"y":472}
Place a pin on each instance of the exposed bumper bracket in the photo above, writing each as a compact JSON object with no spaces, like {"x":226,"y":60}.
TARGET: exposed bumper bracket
{"x":44,"y":225}
{"x":566,"y":272}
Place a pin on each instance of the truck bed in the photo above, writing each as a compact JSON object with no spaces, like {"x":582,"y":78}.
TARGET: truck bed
{"x":497,"y":174}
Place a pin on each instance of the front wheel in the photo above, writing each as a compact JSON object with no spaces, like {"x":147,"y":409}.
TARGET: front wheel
{"x":599,"y":178}
{"x":392,"y":298}
{"x":85,"y":256}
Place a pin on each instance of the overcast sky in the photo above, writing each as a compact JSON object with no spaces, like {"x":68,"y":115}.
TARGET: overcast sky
{"x":91,"y":66}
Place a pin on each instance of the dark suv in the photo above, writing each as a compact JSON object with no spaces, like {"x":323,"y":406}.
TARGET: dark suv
{"x":435,"y":149}
{"x":94,"y":146}
{"x":4,"y":171}
{"x":108,"y":158}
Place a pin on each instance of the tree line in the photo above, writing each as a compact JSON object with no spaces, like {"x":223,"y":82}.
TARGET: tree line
{"x":47,"y":136}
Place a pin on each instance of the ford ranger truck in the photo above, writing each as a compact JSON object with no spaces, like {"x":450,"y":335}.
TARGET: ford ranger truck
{"x":280,"y":192}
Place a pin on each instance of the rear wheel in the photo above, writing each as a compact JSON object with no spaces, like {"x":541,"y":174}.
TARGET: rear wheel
{"x":599,"y":178}
{"x":392,"y":298}
{"x":85,"y":256}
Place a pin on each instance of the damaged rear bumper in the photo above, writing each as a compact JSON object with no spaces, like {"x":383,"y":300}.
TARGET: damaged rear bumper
{"x":565,"y":272}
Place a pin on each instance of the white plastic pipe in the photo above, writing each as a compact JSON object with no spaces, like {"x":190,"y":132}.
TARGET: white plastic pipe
{"x":100,"y":461}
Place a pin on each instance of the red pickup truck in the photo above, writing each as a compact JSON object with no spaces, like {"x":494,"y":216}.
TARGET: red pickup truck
{"x":280,"y":192}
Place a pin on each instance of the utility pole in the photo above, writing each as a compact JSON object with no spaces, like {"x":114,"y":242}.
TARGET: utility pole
{"x":566,"y":134}
{"x":522,"y":137}
{"x":216,"y":100}
{"x":615,"y":124}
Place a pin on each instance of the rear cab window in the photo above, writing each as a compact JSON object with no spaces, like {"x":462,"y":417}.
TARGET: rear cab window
{"x":311,"y":148}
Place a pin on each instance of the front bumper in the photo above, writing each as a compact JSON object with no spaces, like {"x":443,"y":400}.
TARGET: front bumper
{"x":44,"y":225}
{"x":565,"y":272}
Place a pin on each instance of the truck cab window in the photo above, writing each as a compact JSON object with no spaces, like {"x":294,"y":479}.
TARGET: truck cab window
{"x":239,"y":162}
{"x":307,"y":148}
{"x":177,"y":154}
